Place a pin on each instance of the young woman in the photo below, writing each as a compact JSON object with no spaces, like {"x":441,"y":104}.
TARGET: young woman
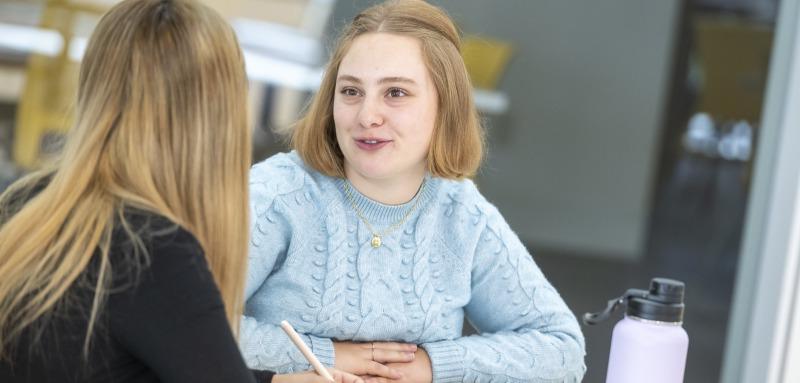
{"x":372,"y":241}
{"x":126,"y":262}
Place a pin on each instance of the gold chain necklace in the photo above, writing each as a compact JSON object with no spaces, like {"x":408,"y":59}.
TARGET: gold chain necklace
{"x":376,"y":236}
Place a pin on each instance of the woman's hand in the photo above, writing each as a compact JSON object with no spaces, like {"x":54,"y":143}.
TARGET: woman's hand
{"x":418,"y":371}
{"x":371,"y":359}
{"x":312,"y":377}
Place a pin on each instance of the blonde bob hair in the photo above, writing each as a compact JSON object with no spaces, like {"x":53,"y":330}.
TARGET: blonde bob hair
{"x":457,"y":144}
{"x":160,"y":126}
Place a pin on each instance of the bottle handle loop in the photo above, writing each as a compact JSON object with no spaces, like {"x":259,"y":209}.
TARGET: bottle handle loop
{"x":595,"y":318}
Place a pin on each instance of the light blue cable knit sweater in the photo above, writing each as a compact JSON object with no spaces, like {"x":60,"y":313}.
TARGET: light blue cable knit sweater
{"x":311,"y":263}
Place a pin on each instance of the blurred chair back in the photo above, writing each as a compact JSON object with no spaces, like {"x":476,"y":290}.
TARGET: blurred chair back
{"x":45,"y":110}
{"x":734,"y":59}
{"x":486,"y":60}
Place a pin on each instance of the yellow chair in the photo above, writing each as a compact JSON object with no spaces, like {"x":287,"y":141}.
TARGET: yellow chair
{"x":45,"y":110}
{"x":486,"y":60}
{"x":734,"y":58}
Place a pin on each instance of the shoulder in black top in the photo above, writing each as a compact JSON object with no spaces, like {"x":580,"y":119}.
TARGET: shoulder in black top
{"x":164,"y":323}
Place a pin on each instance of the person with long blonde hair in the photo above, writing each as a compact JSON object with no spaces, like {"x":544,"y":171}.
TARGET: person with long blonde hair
{"x":373,"y":241}
{"x":126,"y":260}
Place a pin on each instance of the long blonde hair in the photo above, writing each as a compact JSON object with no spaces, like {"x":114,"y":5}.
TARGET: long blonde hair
{"x":160,"y":126}
{"x":458,"y":139}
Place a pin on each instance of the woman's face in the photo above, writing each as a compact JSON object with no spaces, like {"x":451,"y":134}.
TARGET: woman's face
{"x":384,"y":107}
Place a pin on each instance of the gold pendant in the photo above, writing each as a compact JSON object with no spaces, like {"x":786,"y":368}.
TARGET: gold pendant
{"x":376,"y":241}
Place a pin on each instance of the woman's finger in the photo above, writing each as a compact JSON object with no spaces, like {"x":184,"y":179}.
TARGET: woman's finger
{"x":392,"y":346}
{"x":345,"y":377}
{"x":379,"y":370}
{"x":389,"y":356}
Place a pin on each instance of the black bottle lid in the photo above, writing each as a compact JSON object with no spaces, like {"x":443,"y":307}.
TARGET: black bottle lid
{"x":663,"y":302}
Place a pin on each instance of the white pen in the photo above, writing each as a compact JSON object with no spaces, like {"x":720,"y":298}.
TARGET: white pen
{"x":289,"y":330}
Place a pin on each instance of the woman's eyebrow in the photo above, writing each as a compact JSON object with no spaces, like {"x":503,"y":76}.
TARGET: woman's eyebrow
{"x":347,"y":77}
{"x":396,"y":79}
{"x":385,"y":80}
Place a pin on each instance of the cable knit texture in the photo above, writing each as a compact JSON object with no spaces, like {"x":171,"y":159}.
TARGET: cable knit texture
{"x":455,"y":257}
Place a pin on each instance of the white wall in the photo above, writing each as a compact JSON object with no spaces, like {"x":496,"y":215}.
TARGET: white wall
{"x":288,"y":12}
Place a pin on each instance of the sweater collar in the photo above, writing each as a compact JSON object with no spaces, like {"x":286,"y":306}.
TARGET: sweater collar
{"x":379,"y":213}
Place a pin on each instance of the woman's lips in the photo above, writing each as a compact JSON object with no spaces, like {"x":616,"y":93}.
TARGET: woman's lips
{"x":371,"y":144}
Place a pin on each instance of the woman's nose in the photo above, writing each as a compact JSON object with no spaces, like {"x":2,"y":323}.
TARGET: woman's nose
{"x":370,"y":115}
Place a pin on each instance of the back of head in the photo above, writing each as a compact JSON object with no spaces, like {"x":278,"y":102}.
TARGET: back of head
{"x":160,"y":126}
{"x":162,"y":87}
{"x":457,"y":144}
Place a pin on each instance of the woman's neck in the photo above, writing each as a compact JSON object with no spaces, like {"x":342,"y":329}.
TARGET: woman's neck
{"x":390,"y":191}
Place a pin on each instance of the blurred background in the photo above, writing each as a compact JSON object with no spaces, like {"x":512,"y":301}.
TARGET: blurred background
{"x":622,"y":133}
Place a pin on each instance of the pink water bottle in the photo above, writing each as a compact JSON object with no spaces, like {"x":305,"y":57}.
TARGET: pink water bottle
{"x":649,"y":344}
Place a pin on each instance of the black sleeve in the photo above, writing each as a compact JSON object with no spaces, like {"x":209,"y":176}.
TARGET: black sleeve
{"x":173,"y":318}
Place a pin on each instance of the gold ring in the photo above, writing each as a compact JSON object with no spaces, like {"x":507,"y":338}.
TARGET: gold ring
{"x":373,"y":351}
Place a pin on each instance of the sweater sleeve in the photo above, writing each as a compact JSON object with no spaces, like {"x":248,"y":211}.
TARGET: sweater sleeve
{"x":173,"y":319}
{"x":526,"y":331}
{"x":265,"y":345}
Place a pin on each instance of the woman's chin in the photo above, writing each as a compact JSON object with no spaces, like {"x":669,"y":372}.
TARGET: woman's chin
{"x":368,"y":169}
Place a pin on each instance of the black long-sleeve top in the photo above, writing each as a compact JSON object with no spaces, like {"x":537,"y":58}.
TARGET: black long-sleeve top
{"x":164,"y":323}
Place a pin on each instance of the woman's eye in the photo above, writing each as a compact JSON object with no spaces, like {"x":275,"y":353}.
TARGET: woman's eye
{"x":397,"y":92}
{"x":349,"y":92}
